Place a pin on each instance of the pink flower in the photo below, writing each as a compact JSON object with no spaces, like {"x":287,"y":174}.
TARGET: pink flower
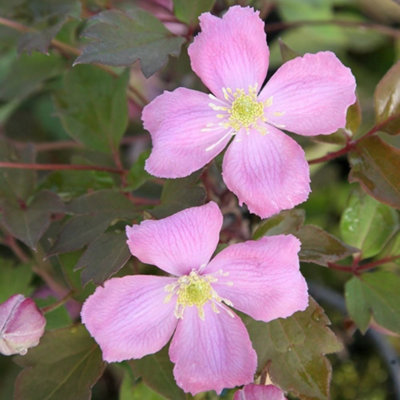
{"x":265,"y":168}
{"x":21,"y":325}
{"x":133,"y":316}
{"x":259,"y":392}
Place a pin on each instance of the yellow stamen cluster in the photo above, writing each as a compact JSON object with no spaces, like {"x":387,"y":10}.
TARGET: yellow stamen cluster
{"x":194,"y":290}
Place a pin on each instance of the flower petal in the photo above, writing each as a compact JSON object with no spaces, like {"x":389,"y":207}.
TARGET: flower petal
{"x":267,"y":172}
{"x":262,"y":277}
{"x":211,"y":354}
{"x":179,"y":243}
{"x":310,"y":94}
{"x":259,"y":392}
{"x":128,"y":317}
{"x":185,"y":132}
{"x":231,"y":52}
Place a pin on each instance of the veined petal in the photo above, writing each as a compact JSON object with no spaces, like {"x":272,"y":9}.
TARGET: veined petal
{"x":185,"y":132}
{"x":310,"y":95}
{"x":180,"y":243}
{"x":230,"y":52}
{"x":211,"y":354}
{"x":129,"y":317}
{"x":262,"y":277}
{"x":259,"y":392}
{"x":267,"y":172}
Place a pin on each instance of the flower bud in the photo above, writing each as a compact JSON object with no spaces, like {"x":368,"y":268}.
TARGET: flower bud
{"x":21,"y":325}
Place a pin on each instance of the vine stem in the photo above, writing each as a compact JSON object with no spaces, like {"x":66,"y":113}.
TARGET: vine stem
{"x":133,"y":94}
{"x":351,"y":144}
{"x":58,"y":303}
{"x":385,"y":30}
{"x":356,"y":268}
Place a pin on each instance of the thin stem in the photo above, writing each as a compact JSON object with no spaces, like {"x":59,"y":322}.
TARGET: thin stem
{"x":330,"y":156}
{"x":58,"y":303}
{"x":16,"y":249}
{"x":54,"y":167}
{"x":385,"y":30}
{"x":373,"y":264}
{"x":66,"y":49}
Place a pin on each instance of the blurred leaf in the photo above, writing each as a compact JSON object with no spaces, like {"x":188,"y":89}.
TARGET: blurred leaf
{"x":137,"y":175}
{"x":14,"y":279}
{"x":392,"y":248}
{"x":368,"y":224}
{"x":353,"y":117}
{"x":28,"y":223}
{"x":178,"y":194}
{"x":67,"y":363}
{"x":27,"y":75}
{"x":189,"y":10}
{"x":121,"y":38}
{"x":16,"y":184}
{"x":93,"y":107}
{"x":156,"y":371}
{"x":293,"y":350}
{"x":136,"y":391}
{"x":320,"y":247}
{"x":57,"y":318}
{"x":45,"y":17}
{"x":104,"y":257}
{"x":78,"y":231}
{"x":377,"y":294}
{"x":287,"y":221}
{"x":108,"y":203}
{"x":387,"y":100}
{"x":287,"y":53}
{"x":9,"y":371}
{"x":376,"y":165}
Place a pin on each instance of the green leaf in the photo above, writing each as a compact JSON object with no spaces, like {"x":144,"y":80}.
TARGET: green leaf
{"x":78,"y":231}
{"x":121,"y":38}
{"x":188,"y":11}
{"x":14,"y":279}
{"x":374,"y":294}
{"x":368,"y":224}
{"x":28,"y":223}
{"x":294,"y":349}
{"x":288,"y":221}
{"x":353,"y":117}
{"x":156,"y":371}
{"x":27,"y":75}
{"x":67,"y":363}
{"x":376,"y":165}
{"x":387,"y":100}
{"x":57,"y":318}
{"x":178,"y":194}
{"x":108,"y":203}
{"x":16,"y":184}
{"x":137,"y":175}
{"x":287,"y":53}
{"x":93,"y":107}
{"x":130,"y":390}
{"x":320,"y":247}
{"x":104,"y":257}
{"x":45,"y":17}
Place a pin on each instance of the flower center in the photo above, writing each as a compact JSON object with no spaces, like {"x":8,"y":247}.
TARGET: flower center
{"x":196,"y":290}
{"x":245,"y":110}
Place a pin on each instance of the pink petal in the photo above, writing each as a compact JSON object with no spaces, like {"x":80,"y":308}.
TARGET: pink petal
{"x":179,"y":243}
{"x":231,"y":52}
{"x":262,"y":277}
{"x":185,"y":133}
{"x":21,"y":325}
{"x":310,"y":94}
{"x":267,"y":172}
{"x":211,"y":354}
{"x":259,"y":392}
{"x":128,"y":317}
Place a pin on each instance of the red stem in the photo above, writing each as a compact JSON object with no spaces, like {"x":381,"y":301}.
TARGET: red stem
{"x":376,"y":263}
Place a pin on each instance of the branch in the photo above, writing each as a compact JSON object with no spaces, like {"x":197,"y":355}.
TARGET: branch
{"x":67,"y":50}
{"x":385,"y":30}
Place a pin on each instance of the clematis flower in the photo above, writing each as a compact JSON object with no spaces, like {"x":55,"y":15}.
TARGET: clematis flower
{"x":259,"y":392}
{"x":264,"y":167}
{"x":21,"y":325}
{"x":137,"y":315}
